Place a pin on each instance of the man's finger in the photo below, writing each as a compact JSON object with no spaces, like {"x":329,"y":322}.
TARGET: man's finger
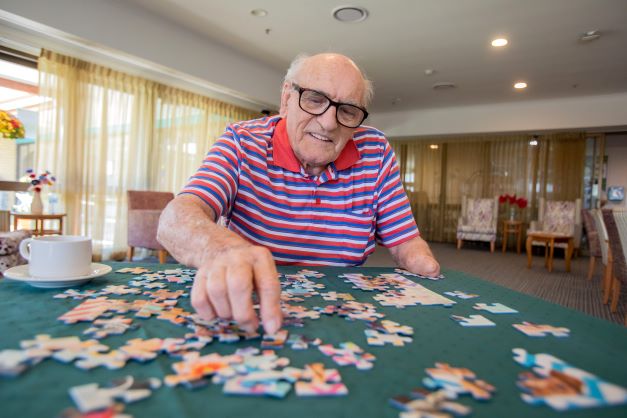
{"x":200,"y":302}
{"x":269,"y":291}
{"x":215,"y":287}
{"x":240,"y":291}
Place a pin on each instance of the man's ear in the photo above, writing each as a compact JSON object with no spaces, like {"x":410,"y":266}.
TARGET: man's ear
{"x":285,"y":96}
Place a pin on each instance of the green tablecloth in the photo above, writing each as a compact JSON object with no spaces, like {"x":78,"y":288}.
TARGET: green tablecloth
{"x":594,"y":345}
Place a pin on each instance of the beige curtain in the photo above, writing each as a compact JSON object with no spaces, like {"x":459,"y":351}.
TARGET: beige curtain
{"x":103,"y":132}
{"x":438,"y":171}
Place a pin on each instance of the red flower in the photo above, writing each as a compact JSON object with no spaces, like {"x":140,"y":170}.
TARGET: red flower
{"x":521,"y":202}
{"x":502,"y":198}
{"x":511,"y":199}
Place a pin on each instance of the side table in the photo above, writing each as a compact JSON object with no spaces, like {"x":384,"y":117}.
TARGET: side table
{"x":39,"y":222}
{"x":549,"y":240}
{"x":512,"y":227}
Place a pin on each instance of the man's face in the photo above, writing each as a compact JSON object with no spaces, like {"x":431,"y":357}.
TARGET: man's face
{"x":319,"y":140}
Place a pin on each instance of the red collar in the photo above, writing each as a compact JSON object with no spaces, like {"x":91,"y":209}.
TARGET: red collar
{"x":284,"y":156}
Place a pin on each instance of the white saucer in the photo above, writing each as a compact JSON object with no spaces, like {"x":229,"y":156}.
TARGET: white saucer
{"x":20,"y":273}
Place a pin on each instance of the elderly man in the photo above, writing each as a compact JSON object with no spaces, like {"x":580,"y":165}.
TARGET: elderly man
{"x":310,"y":187}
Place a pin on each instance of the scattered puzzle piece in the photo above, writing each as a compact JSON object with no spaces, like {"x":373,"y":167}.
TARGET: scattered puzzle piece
{"x":495,"y":308}
{"x":134,"y":270}
{"x":535,"y":330}
{"x":376,"y":338}
{"x":562,"y":386}
{"x":457,"y":381}
{"x":473,"y":321}
{"x":461,"y":295}
{"x":91,"y":397}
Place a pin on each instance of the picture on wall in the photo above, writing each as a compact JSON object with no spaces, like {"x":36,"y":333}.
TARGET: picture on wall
{"x":615,"y":193}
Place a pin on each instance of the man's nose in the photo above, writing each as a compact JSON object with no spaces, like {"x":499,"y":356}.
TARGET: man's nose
{"x":328,"y":119}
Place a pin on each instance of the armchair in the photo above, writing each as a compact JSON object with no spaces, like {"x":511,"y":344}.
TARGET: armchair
{"x":144,"y":210}
{"x":558,"y":217}
{"x":478,"y":221}
{"x":9,"y":249}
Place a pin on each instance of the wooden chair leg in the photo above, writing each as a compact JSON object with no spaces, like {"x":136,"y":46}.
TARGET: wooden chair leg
{"x":130,"y":253}
{"x":591,"y":267}
{"x":492,"y":244}
{"x":615,"y":294}
{"x":162,"y":256}
{"x":459,"y":244}
{"x":607,"y":283}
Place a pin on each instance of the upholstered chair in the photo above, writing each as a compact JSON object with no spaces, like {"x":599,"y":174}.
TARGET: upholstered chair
{"x":594,"y":246}
{"x":478,"y":221}
{"x":558,"y":217}
{"x":9,"y":249}
{"x":616,"y":225}
{"x":144,"y":210}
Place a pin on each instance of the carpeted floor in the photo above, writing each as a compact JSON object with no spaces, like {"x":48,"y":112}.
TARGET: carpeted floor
{"x":572,"y":289}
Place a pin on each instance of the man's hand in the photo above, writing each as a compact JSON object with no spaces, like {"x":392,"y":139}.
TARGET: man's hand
{"x":229,"y":268}
{"x":415,"y":256}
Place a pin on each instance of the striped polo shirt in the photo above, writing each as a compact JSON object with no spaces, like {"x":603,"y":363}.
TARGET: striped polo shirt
{"x":252,"y":178}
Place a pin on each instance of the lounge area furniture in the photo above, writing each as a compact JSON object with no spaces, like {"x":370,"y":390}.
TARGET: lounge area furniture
{"x":144,"y":210}
{"x":478,"y":221}
{"x":616,"y":225}
{"x":594,"y":246}
{"x":561,"y":218}
{"x":550,"y":240}
{"x":606,"y":254}
{"x":9,"y":249}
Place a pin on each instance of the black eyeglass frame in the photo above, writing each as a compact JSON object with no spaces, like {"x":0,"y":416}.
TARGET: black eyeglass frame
{"x":333,"y":103}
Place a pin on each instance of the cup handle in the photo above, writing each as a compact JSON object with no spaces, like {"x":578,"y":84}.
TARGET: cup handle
{"x":25,"y":249}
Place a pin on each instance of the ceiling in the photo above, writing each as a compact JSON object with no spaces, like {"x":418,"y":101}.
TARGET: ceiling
{"x":400,"y":39}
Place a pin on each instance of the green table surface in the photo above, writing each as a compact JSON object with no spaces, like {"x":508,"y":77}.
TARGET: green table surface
{"x":594,"y":345}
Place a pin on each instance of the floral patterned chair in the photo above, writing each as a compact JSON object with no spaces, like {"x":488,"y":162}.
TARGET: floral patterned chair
{"x":9,"y":249}
{"x":478,"y":221}
{"x":558,"y":217}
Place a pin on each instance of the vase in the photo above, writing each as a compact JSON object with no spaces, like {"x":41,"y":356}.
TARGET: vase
{"x":512,"y":213}
{"x":36,"y":205}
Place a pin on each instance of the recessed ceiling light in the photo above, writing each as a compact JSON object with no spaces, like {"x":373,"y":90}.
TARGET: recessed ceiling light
{"x":259,"y":12}
{"x":499,"y":42}
{"x":350,"y":14}
{"x":520,"y":85}
{"x":429,"y":71}
{"x":591,"y":35}
{"x":444,"y":85}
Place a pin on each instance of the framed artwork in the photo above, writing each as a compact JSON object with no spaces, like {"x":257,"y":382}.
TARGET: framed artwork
{"x":615,"y":193}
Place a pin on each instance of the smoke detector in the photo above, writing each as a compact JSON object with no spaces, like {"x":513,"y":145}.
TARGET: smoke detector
{"x":591,"y":35}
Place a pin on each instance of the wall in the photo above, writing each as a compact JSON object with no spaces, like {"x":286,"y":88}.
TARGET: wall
{"x":616,"y":150}
{"x":131,"y":32}
{"x":590,"y":113}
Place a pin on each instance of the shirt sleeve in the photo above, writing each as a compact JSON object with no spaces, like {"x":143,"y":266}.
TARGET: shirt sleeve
{"x":395,"y":222}
{"x":215,"y":182}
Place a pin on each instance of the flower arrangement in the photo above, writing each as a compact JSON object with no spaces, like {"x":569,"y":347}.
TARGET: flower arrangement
{"x":36,"y":182}
{"x":512,"y":201}
{"x":10,"y":126}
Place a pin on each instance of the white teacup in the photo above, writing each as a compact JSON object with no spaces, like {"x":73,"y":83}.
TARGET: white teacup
{"x":57,"y":256}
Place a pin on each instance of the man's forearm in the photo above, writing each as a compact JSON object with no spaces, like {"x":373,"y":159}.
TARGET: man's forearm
{"x":187,"y":229}
{"x":416,"y":256}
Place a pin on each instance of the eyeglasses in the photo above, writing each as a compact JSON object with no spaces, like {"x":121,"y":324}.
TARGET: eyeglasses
{"x":316,"y":103}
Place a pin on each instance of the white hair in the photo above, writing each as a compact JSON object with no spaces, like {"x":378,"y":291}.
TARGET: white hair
{"x":297,"y":64}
